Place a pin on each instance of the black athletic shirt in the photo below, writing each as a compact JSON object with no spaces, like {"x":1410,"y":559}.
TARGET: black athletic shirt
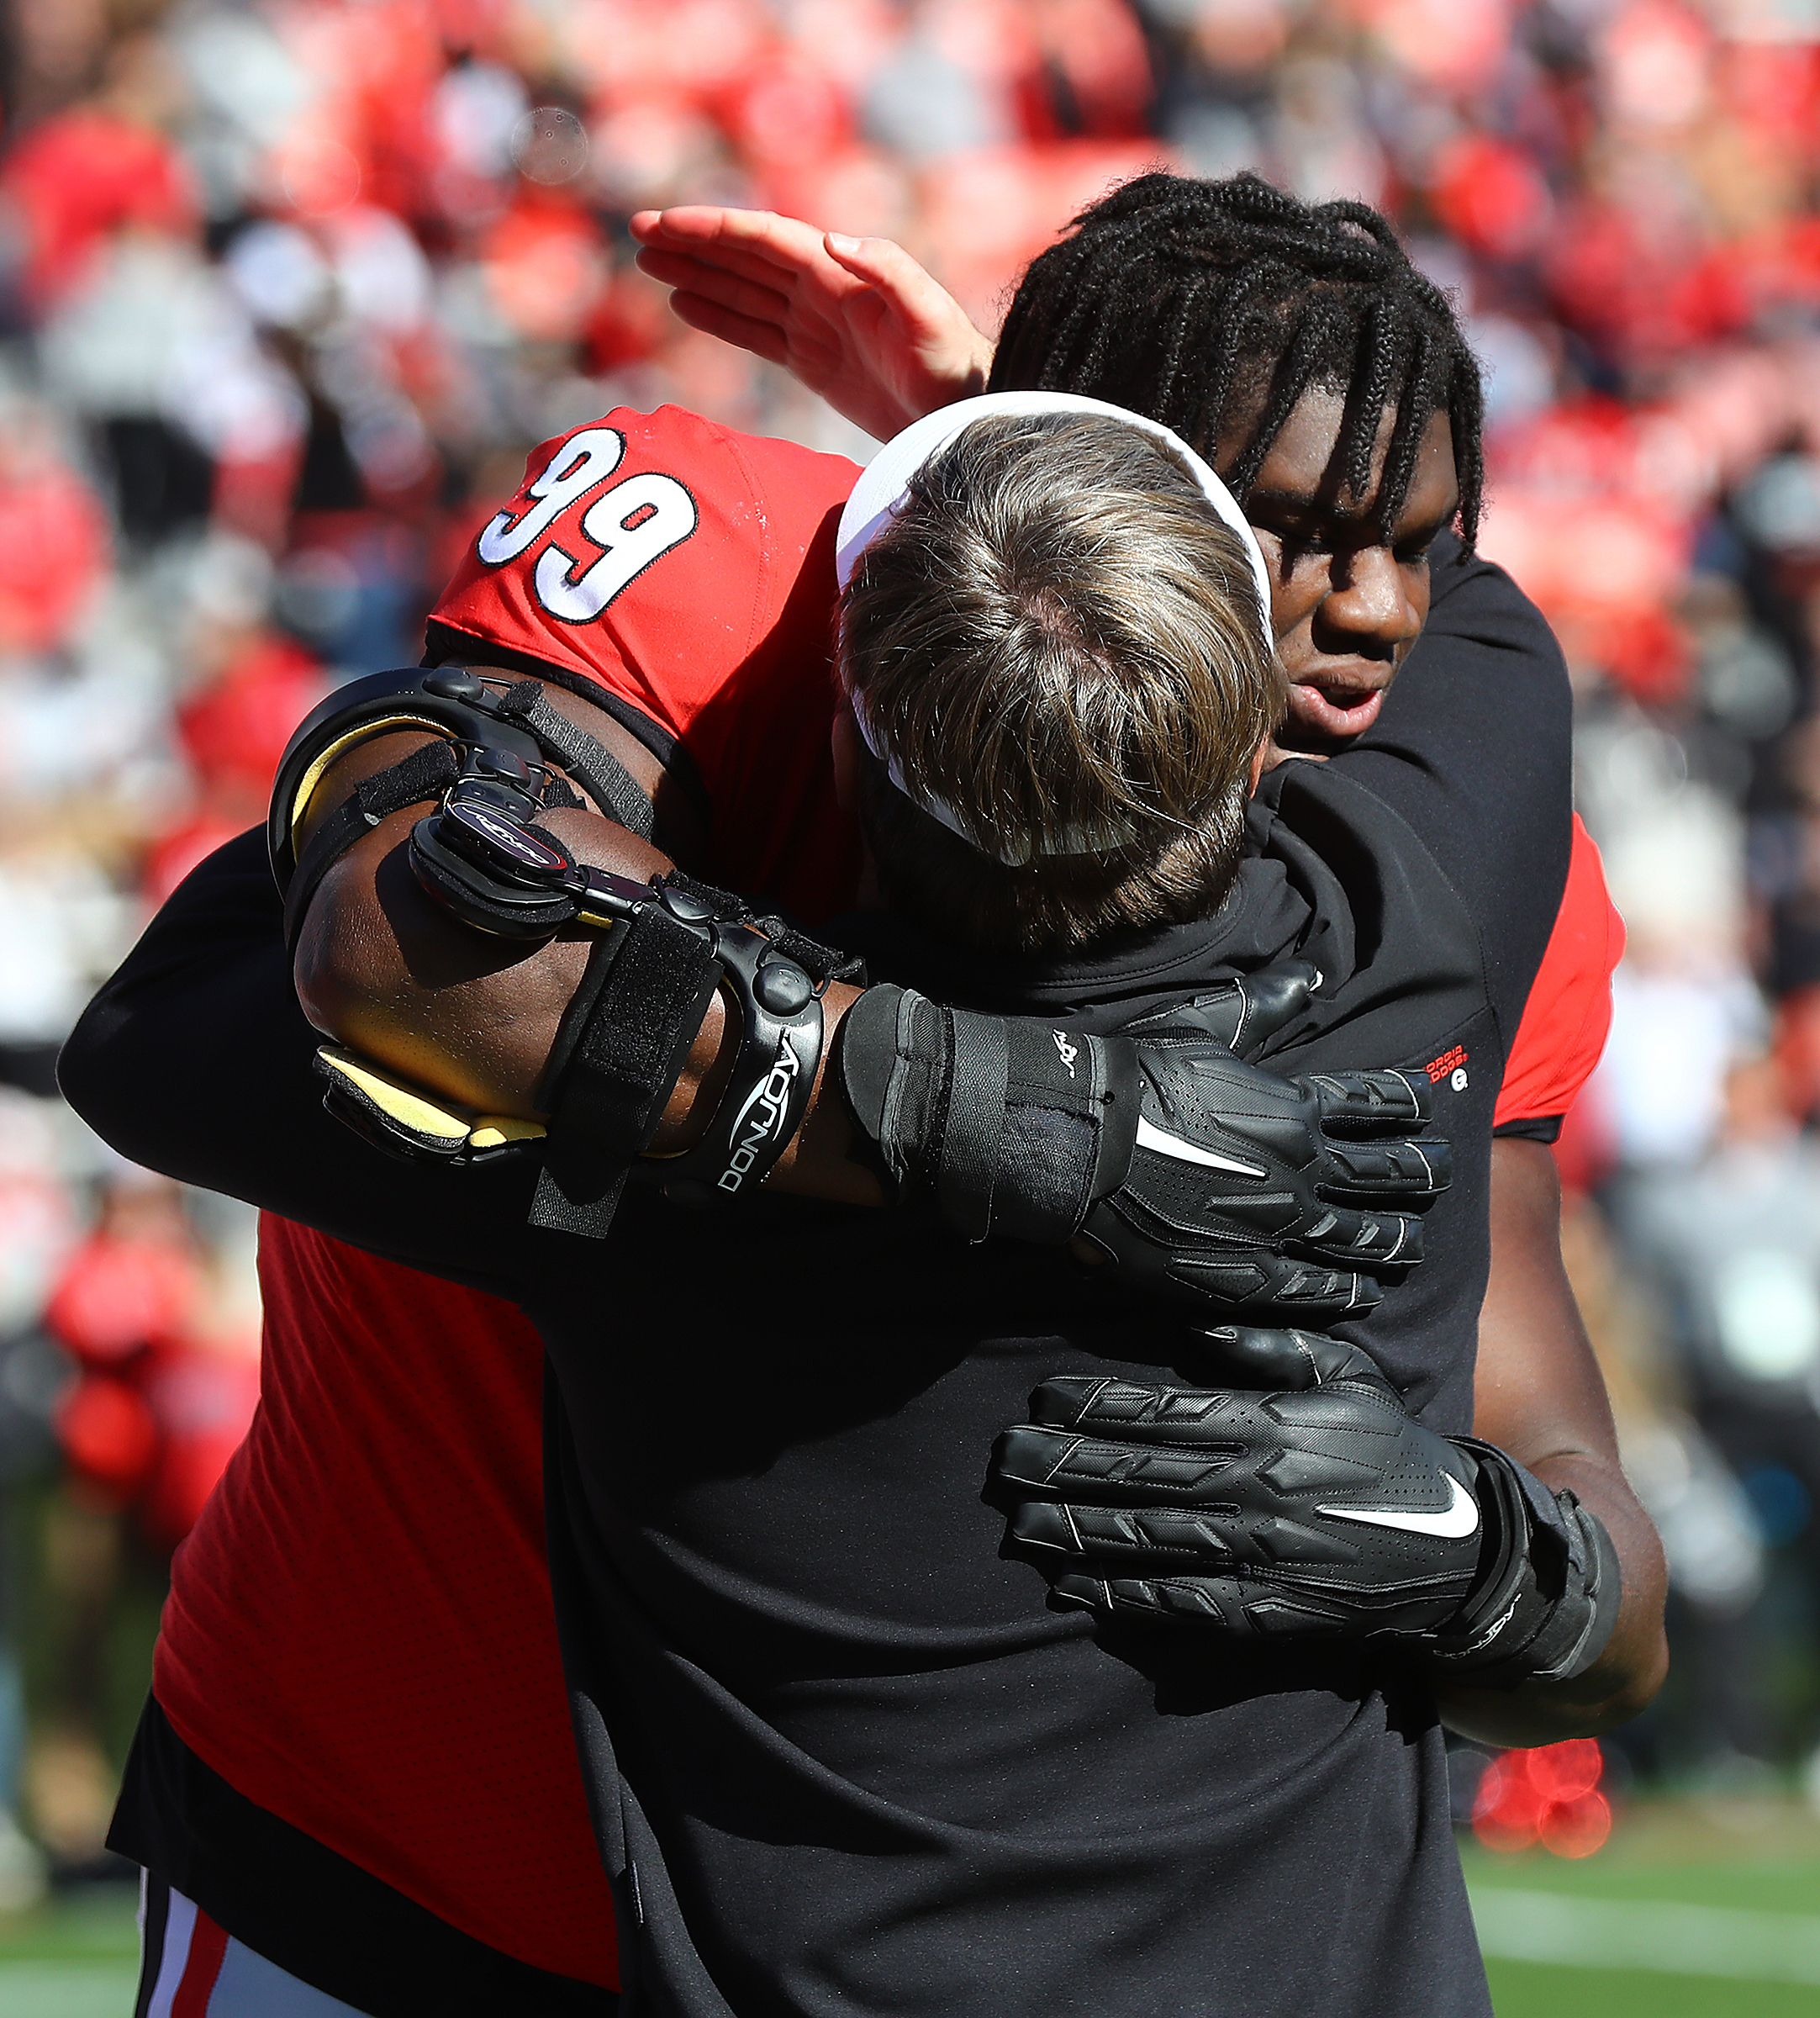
{"x":854,"y":1764}
{"x":841,"y":1760}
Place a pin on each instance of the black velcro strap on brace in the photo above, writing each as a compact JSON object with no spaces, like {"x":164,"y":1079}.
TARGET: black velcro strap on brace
{"x":822,"y":964}
{"x":624,"y":1056}
{"x":575,"y":1018}
{"x":726,"y":905}
{"x":607,"y":781}
{"x":973,"y":1129}
{"x":426,"y":773}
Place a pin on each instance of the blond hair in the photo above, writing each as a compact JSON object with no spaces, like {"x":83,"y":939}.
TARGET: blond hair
{"x":1058,"y":637}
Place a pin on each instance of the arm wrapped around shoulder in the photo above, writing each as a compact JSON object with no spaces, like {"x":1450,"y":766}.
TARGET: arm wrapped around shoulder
{"x":1306,"y":1502}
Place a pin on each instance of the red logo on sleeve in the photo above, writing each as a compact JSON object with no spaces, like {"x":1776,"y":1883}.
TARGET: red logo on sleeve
{"x":1437,"y":1069}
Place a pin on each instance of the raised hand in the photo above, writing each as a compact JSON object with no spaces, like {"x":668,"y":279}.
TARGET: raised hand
{"x":856,"y":320}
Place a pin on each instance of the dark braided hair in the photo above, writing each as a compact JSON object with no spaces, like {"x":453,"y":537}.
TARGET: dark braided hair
{"x":1193,"y":302}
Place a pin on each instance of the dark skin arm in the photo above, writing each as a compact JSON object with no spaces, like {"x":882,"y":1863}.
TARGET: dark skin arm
{"x":383,"y":970}
{"x":1540,"y":1396}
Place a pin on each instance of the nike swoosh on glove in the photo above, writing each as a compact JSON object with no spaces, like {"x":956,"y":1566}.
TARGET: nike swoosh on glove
{"x":1199,"y":1176}
{"x":1283,"y":1198}
{"x":1306,"y":1504}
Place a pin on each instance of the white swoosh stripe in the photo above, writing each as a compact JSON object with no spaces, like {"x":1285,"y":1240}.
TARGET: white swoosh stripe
{"x":1150,"y":1138}
{"x":1453,"y":1523}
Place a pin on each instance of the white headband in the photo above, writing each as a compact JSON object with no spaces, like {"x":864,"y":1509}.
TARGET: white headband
{"x":880,"y":495}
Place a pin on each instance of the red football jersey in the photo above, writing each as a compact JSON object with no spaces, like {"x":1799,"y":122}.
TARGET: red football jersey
{"x":359,"y":1636}
{"x":1569,"y":1013}
{"x":690,"y":571}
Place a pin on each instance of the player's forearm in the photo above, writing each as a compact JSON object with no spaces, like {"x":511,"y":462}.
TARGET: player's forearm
{"x":172,"y":1062}
{"x":1539,"y":1396}
{"x":386,"y":971}
{"x":194,"y":1059}
{"x":1625,"y":1676}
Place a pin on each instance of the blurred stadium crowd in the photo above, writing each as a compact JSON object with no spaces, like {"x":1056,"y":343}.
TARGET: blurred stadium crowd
{"x":287,"y":291}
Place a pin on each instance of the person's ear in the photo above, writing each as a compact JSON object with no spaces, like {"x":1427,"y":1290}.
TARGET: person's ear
{"x":843,"y":738}
{"x":1260,"y":761}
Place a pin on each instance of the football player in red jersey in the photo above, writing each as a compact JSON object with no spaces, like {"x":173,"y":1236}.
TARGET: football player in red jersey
{"x":377,"y":1689}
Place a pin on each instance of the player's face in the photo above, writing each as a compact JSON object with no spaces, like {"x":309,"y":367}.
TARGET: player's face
{"x":1349,"y":595}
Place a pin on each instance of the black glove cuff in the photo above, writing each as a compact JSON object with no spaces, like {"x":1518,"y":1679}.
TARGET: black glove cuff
{"x":891,"y":1081}
{"x":1010,"y":1128}
{"x":1547,"y":1600}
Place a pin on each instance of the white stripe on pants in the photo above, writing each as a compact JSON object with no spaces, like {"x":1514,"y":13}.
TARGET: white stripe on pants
{"x":245,"y":1985}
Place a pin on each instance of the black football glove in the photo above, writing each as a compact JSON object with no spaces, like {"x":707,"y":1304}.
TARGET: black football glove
{"x":1197,"y":1175}
{"x":1307,"y":1503}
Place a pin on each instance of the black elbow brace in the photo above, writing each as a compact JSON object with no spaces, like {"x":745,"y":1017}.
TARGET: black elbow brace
{"x":490,"y":729}
{"x":1546,"y":1601}
{"x":666,"y":947}
{"x":670,"y":945}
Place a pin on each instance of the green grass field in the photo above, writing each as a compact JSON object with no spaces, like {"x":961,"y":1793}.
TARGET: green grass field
{"x":1687,"y":1913}
{"x":1710,"y":1912}
{"x":76,"y":1957}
